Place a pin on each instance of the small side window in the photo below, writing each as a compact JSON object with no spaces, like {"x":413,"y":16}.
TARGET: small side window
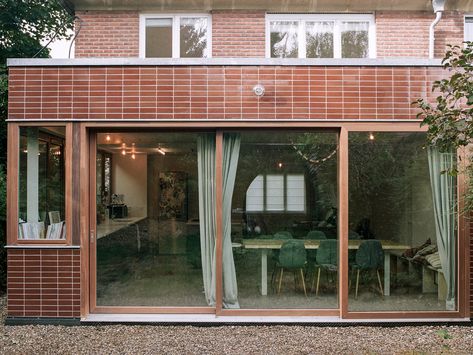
{"x":42,"y":183}
{"x":468,"y":28}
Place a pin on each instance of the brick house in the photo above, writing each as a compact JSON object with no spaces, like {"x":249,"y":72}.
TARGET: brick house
{"x":236,"y":162}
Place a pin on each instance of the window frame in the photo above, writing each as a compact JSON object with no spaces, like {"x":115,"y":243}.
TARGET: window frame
{"x":285,"y":195}
{"x":176,"y":22}
{"x":336,"y":18}
{"x":13,"y":167}
{"x":465,"y":16}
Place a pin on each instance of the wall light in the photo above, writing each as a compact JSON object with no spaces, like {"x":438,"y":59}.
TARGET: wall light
{"x":160,"y":151}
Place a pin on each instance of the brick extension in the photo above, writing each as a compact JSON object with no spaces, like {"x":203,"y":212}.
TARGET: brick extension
{"x":218,"y":92}
{"x":44,"y":283}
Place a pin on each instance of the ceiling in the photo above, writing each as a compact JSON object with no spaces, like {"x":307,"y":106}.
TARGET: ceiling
{"x":267,"y":5}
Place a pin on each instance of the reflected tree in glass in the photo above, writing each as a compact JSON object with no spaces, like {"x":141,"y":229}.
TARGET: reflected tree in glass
{"x":354,"y":36}
{"x":284,"y":39}
{"x":319,"y":37}
{"x":193,"y":35}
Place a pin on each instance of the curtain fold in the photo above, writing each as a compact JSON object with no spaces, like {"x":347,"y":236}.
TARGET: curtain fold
{"x":206,"y":153}
{"x":231,"y":152}
{"x":207,"y":207}
{"x":443,"y":195}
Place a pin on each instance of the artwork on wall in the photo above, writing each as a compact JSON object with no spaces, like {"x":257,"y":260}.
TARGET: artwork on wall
{"x":173,"y":196}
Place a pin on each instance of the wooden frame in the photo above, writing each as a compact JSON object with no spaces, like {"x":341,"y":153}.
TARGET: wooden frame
{"x":13,"y":184}
{"x":88,"y":279}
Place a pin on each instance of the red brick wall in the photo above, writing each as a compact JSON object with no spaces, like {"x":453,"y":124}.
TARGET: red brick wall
{"x":406,"y":34}
{"x":43,"y":283}
{"x":218,"y":92}
{"x":238,"y":34}
{"x":108,"y":34}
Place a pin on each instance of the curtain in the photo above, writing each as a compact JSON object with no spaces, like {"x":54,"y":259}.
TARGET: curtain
{"x":207,"y":208}
{"x":231,"y":151}
{"x":443,"y":195}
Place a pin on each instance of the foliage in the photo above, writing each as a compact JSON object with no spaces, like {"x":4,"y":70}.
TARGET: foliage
{"x":450,"y":118}
{"x":24,"y":24}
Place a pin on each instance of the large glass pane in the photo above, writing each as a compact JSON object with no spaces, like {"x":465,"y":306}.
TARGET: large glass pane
{"x":354,"y":37}
{"x":193,"y":41}
{"x":284,"y":204}
{"x":41,"y":183}
{"x":394,"y":248}
{"x":148,"y":244}
{"x":284,"y":39}
{"x":159,"y":38}
{"x":319,"y":39}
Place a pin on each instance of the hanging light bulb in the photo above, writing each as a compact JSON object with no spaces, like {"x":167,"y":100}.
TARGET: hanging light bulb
{"x":123,"y":149}
{"x":371,"y":136}
{"x":279,"y":165}
{"x":133,"y":156}
{"x":160,"y":151}
{"x":108,"y":138}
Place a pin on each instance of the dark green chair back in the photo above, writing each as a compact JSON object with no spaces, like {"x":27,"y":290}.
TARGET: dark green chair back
{"x":327,"y":253}
{"x":370,"y":255}
{"x":283,"y":235}
{"x":316,"y":235}
{"x":292,"y":254}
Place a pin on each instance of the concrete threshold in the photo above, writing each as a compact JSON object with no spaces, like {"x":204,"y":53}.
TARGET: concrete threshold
{"x":210,"y":319}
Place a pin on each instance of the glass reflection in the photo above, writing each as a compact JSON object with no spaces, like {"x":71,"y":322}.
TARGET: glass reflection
{"x":319,"y":37}
{"x":193,"y":35}
{"x":354,"y":39}
{"x":284,"y":39}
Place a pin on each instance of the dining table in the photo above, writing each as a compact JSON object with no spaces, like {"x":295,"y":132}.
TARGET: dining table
{"x":266,"y":244}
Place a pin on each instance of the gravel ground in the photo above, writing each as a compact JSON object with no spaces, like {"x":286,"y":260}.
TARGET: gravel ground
{"x":120,"y":339}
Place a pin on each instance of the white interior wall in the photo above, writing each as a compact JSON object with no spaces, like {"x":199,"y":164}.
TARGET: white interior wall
{"x":129,"y":177}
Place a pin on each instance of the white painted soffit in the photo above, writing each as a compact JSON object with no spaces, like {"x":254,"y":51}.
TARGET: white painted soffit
{"x":268,"y":5}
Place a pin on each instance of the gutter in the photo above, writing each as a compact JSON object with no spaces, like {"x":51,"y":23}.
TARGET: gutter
{"x":438,"y":6}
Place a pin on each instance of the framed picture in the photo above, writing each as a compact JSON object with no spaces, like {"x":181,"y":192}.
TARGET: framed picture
{"x":173,"y":195}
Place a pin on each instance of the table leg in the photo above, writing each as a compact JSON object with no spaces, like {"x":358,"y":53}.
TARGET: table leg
{"x":264,"y":272}
{"x":387,"y":273}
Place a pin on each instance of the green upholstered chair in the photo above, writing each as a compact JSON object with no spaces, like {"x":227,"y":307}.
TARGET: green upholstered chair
{"x":369,"y":257}
{"x":316,"y":235}
{"x":327,"y":259}
{"x":292,"y":257}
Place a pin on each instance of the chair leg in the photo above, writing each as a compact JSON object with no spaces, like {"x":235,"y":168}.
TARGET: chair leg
{"x":280,"y":281}
{"x":380,"y":285}
{"x":357,"y":282}
{"x":318,"y":282}
{"x":303,"y":283}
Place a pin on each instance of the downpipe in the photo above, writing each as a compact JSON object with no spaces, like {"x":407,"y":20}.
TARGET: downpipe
{"x":438,"y":6}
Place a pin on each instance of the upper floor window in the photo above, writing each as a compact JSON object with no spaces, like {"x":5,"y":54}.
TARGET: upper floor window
{"x":175,"y":36}
{"x":320,"y":36}
{"x":469,"y":28}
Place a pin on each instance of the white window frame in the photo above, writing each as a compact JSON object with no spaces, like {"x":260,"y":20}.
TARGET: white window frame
{"x":336,"y":18}
{"x":285,"y":209}
{"x":176,"y":25}
{"x":464,"y":26}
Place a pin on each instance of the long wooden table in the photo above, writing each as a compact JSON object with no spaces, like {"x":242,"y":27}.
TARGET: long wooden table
{"x":269,"y":244}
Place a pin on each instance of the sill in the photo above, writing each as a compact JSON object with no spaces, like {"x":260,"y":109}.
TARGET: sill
{"x":41,"y":246}
{"x":242,"y":320}
{"x":133,"y":61}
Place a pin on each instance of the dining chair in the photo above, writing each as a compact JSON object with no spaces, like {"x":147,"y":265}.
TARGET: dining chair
{"x":292,"y":257}
{"x":369,"y":257}
{"x":326,"y":259}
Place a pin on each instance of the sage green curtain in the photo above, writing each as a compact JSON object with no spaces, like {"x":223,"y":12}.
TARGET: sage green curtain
{"x":207,"y":212}
{"x":207,"y":207}
{"x":231,"y":151}
{"x":443,"y":194}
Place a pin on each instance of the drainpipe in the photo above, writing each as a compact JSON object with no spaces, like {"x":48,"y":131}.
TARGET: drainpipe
{"x":439,"y":6}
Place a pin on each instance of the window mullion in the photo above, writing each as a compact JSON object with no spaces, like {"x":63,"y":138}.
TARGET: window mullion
{"x":176,"y":38}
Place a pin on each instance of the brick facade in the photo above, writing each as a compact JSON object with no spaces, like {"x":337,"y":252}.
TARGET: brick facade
{"x":406,"y":34}
{"x":238,"y":34}
{"x":218,"y":92}
{"x":44,"y":283}
{"x":242,"y":33}
{"x":107,"y":34}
